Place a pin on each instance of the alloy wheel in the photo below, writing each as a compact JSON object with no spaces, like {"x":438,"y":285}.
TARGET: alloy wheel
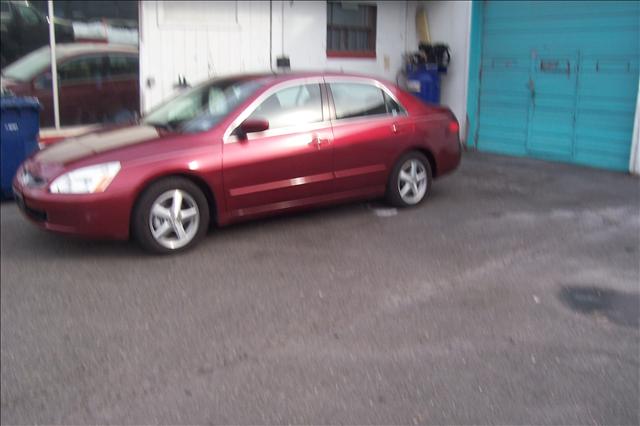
{"x":412,"y":181}
{"x":174,"y":219}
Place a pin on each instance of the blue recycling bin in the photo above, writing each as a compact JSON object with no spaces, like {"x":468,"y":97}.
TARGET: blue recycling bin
{"x":423,"y":80}
{"x":19,"y":118}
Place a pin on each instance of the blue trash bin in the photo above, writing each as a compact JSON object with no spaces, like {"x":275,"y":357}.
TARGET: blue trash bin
{"x":423,"y":80}
{"x":20,"y":119}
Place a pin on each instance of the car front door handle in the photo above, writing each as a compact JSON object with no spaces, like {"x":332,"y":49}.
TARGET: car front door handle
{"x":394,"y":127}
{"x":319,"y":143}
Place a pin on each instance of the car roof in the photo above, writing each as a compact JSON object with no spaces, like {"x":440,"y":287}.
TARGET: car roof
{"x":278,"y":77}
{"x":64,"y":50}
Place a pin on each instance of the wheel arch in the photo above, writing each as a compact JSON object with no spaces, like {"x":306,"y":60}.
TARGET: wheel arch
{"x":197,"y":180}
{"x":427,"y":153}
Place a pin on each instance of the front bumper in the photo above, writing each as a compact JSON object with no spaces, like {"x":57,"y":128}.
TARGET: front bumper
{"x":104,"y":215}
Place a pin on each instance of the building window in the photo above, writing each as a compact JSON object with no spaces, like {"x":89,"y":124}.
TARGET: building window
{"x":96,"y":55}
{"x":351,"y":30}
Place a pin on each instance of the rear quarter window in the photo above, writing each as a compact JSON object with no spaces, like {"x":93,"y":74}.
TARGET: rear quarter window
{"x":392,"y":106}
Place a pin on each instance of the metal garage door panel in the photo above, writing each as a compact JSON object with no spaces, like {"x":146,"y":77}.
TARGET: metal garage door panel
{"x":523,"y":9}
{"x":553,"y":99}
{"x":607,"y":88}
{"x":504,"y":104}
{"x":586,"y":116}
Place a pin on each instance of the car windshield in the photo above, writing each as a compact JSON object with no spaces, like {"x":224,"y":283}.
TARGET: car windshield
{"x":201,"y":108}
{"x":27,"y":67}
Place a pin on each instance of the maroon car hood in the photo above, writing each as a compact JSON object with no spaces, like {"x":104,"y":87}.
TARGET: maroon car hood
{"x":95,"y":143}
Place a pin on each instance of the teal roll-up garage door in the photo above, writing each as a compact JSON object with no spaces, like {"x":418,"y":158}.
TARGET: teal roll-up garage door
{"x":559,"y":80}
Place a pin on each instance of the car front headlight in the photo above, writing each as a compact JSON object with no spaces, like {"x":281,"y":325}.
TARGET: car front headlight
{"x":86,"y":180}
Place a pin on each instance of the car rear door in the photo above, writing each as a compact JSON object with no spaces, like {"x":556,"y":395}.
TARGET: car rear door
{"x":288,"y":165}
{"x":122,"y":99}
{"x":368,"y":126}
{"x":82,"y":89}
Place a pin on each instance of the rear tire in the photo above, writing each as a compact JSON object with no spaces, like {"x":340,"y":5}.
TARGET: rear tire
{"x":171,"y":215}
{"x":410,"y":180}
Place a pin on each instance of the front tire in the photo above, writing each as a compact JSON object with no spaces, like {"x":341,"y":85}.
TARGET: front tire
{"x":172,"y":215}
{"x":410,"y":181}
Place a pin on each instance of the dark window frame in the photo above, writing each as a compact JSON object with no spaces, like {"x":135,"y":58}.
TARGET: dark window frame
{"x":370,"y":52}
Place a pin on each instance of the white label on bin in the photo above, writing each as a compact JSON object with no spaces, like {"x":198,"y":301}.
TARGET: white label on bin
{"x":413,"y":85}
{"x":11,"y":127}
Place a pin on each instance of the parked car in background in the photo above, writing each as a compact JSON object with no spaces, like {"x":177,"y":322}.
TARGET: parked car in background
{"x":24,"y":28}
{"x":97,"y":83}
{"x":236,"y":148}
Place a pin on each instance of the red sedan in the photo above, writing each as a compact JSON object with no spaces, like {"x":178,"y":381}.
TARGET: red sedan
{"x":236,"y":148}
{"x":96,"y":82}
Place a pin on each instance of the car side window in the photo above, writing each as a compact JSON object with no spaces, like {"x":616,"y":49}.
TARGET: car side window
{"x":28,"y":15}
{"x":291,"y":106}
{"x":5,"y":10}
{"x":357,"y":100}
{"x":87,"y":69}
{"x":122,"y":65}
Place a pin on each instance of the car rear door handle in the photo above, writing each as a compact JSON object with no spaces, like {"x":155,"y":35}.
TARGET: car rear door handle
{"x":394,"y":127}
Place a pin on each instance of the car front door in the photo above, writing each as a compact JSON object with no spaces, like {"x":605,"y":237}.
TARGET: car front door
{"x":368,"y":125}
{"x":288,"y":165}
{"x":42,"y":89}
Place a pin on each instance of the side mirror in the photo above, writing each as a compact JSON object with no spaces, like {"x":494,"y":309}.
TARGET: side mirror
{"x":251,"y":125}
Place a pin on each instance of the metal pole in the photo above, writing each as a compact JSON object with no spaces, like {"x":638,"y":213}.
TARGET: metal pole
{"x":54,"y":65}
{"x":271,"y":36}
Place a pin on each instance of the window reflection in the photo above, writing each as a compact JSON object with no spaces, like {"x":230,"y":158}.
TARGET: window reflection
{"x":97,"y":59}
{"x":294,"y":105}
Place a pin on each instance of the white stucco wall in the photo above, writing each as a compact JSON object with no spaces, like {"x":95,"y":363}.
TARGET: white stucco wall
{"x":200,"y":40}
{"x":305,"y":37}
{"x":449,"y":23}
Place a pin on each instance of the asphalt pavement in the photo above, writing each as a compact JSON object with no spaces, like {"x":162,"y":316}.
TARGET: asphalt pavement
{"x":509,"y":297}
